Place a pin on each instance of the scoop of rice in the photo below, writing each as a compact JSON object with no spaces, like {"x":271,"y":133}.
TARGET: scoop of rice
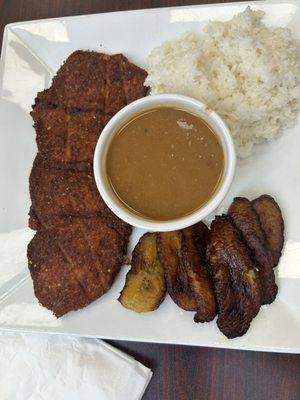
{"x":246,"y":72}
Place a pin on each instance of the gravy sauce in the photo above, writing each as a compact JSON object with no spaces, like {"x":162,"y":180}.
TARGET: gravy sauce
{"x":165,"y":163}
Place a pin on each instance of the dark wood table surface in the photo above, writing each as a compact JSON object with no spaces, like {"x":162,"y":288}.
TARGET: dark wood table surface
{"x":181,"y":372}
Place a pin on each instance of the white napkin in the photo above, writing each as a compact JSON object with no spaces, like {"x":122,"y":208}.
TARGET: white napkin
{"x":52,"y":367}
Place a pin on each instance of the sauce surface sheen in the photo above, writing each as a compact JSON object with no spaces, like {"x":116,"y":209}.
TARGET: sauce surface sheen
{"x":164,"y":163}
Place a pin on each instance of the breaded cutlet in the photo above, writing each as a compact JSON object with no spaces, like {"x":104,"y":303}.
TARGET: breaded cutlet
{"x":54,"y":281}
{"x":75,"y":263}
{"x":94,"y":81}
{"x":33,"y":221}
{"x":80,"y":244}
{"x":58,"y":192}
{"x":67,"y":137}
{"x":123,"y":229}
{"x":93,"y":249}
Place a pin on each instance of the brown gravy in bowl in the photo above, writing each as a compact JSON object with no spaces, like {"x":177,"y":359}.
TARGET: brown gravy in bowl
{"x":165,"y":163}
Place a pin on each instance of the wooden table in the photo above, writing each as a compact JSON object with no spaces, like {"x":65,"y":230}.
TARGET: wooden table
{"x":181,"y":372}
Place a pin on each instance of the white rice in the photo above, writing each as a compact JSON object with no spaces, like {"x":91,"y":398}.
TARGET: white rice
{"x":246,"y":72}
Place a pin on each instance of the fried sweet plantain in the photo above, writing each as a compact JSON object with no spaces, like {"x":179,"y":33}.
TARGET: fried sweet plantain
{"x":201,"y":235}
{"x":193,"y":247}
{"x":169,"y":250}
{"x":145,"y":286}
{"x":237,"y":286}
{"x":188,"y":281}
{"x":247,"y":221}
{"x":272,"y":223}
{"x":231,"y":320}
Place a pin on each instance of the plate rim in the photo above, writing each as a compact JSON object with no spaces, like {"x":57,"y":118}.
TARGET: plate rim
{"x":7,"y":28}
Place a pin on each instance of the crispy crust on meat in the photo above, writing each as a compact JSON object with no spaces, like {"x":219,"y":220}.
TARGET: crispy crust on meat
{"x":33,"y":221}
{"x":93,"y":249}
{"x":80,"y":244}
{"x":94,"y":81}
{"x":55,"y":283}
{"x":67,"y":137}
{"x":74,"y":264}
{"x":56,"y":193}
{"x":59,"y":193}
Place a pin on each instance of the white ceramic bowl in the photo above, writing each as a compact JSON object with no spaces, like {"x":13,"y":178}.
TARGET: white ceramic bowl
{"x":187,"y":104}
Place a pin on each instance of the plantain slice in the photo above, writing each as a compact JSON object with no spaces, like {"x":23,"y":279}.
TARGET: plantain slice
{"x":201,"y":235}
{"x":145,"y":286}
{"x":247,"y":221}
{"x":169,"y":248}
{"x":188,"y":281}
{"x":231,"y":318}
{"x":272,"y":223}
{"x":193,"y":248}
{"x":237,"y":286}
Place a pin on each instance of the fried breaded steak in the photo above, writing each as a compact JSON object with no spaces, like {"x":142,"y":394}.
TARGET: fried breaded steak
{"x":33,"y":221}
{"x":54,"y":282}
{"x":93,"y":249}
{"x":66,"y":136}
{"x":59,"y":192}
{"x":76,"y":261}
{"x":89,"y":80}
{"x":86,"y":92}
{"x":247,"y":221}
{"x":85,"y":241}
{"x":236,"y":282}
{"x":272,"y":223}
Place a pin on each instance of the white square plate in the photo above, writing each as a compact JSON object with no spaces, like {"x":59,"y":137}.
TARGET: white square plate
{"x":31,"y":53}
